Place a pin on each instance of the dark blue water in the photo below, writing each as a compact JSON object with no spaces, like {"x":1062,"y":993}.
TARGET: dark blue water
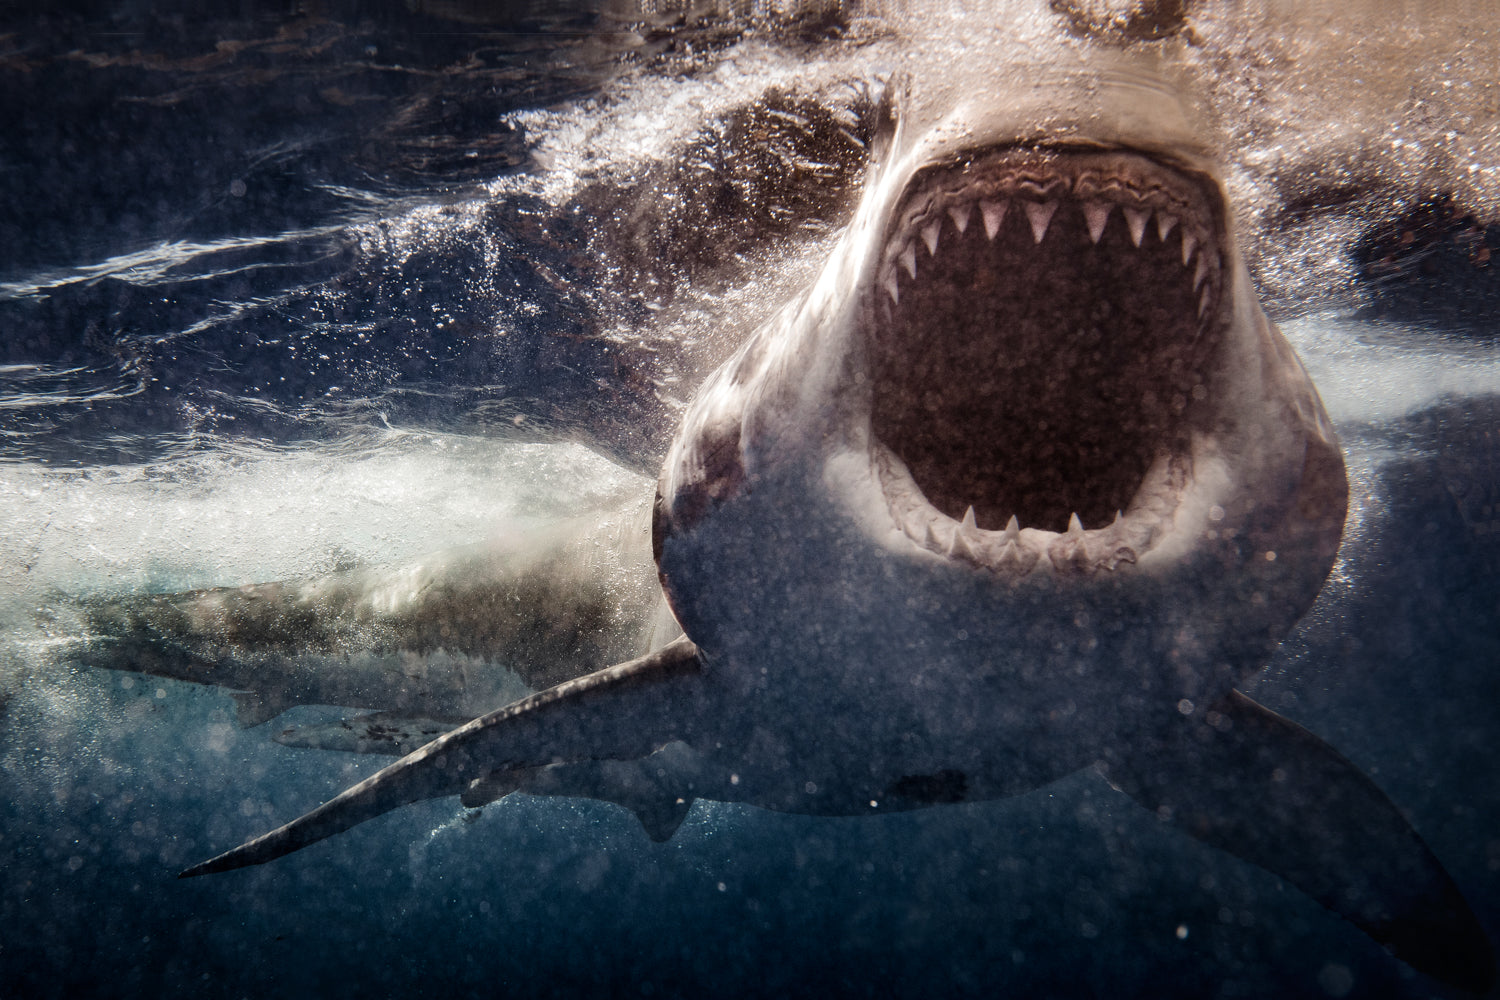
{"x":194,"y":230}
{"x":284,"y":290}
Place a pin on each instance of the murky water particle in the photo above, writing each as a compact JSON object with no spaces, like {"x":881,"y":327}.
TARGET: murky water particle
{"x":1336,"y":979}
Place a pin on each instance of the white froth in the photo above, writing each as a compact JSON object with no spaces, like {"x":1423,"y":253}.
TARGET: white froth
{"x":1371,"y":373}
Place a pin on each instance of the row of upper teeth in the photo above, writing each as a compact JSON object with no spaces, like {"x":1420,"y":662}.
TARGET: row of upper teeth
{"x":902,"y":254}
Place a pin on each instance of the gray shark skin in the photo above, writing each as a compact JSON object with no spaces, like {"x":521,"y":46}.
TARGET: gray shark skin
{"x":443,"y":637}
{"x":1025,"y":482}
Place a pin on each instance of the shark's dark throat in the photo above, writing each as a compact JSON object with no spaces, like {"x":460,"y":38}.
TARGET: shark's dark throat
{"x":1041,"y":321}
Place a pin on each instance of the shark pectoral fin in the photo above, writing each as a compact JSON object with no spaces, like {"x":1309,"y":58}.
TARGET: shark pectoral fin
{"x":377,"y":732}
{"x":1266,"y":790}
{"x":620,"y":712}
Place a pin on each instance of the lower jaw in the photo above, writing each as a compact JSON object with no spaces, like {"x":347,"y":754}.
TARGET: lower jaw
{"x":1016,"y":551}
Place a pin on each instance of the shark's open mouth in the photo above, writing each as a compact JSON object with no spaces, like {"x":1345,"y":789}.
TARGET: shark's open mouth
{"x":1042,"y":323}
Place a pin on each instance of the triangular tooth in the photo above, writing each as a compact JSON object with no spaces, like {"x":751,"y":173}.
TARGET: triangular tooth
{"x":1202,"y":271}
{"x":929,"y":540}
{"x":1136,"y":219}
{"x":959,"y":546}
{"x":1075,"y":526}
{"x":1119,"y":516}
{"x":993,"y":212}
{"x":892,"y":288}
{"x":1070,"y":554}
{"x":969,"y":523}
{"x":1164,"y":225}
{"x":1189,"y":241}
{"x":1012,"y":529}
{"x":1203,"y":300}
{"x":960,"y":215}
{"x":1018,"y":560}
{"x":909,"y":259}
{"x":1097,"y":214}
{"x":930,"y":236}
{"x":1040,"y":214}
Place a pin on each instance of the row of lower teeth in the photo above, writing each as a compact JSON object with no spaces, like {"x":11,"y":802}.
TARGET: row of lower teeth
{"x":1014,"y":550}
{"x":1075,"y":550}
{"x":1039,"y":215}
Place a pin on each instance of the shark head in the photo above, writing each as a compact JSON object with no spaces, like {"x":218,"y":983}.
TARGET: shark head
{"x":1033,"y":409}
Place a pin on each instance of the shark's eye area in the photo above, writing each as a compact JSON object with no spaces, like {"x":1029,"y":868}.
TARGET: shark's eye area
{"x":1041,"y":322}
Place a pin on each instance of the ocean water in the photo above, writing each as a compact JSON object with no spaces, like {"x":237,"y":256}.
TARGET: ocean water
{"x":287,"y":291}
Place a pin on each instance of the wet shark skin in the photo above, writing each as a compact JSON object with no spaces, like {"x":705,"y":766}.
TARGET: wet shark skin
{"x":447,"y":635}
{"x":832,"y":663}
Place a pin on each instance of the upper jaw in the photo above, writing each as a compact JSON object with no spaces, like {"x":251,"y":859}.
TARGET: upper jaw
{"x":1097,"y":184}
{"x":1038,"y":325}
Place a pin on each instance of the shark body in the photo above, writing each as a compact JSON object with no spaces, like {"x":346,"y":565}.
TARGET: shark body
{"x":442,"y":637}
{"x":1025,"y":482}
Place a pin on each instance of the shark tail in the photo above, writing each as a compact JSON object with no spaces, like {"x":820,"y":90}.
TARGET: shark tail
{"x":618,"y":713}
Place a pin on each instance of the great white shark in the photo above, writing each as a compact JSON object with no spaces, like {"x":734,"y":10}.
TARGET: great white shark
{"x":441,"y":638}
{"x":1025,"y":482}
